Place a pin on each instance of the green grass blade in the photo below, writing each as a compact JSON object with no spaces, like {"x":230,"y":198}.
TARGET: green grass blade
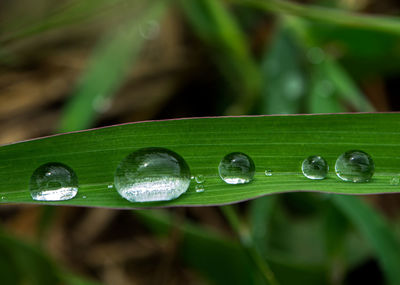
{"x":260,"y":216}
{"x":333,"y":90}
{"x":346,"y":88}
{"x":32,"y":266}
{"x":219,"y":29}
{"x":225,"y":261}
{"x":238,"y":227}
{"x":108,"y":69}
{"x":279,"y":143}
{"x":376,"y":231}
{"x":284,"y":80}
{"x":327,"y":15}
{"x":71,"y":13}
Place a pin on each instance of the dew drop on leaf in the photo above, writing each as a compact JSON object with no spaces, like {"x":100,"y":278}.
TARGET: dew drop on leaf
{"x":152,"y":174}
{"x":199,"y":188}
{"x":268,"y":172}
{"x":355,"y":166}
{"x":236,"y":168}
{"x":199,"y":178}
{"x":395,"y":181}
{"x":315,"y":167}
{"x":53,"y":182}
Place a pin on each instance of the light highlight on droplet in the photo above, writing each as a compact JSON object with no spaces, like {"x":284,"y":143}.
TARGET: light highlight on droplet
{"x":268,"y":172}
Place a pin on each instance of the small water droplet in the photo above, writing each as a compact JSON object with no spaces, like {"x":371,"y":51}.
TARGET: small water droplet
{"x":395,"y":181}
{"x":152,"y":174}
{"x":236,"y":168}
{"x":199,"y":178}
{"x":316,"y":55}
{"x":149,"y":30}
{"x":315,"y":167}
{"x":268,"y":172}
{"x":110,"y":186}
{"x":355,"y":166}
{"x":53,"y":182}
{"x":3,"y":197}
{"x":84,"y":197}
{"x":199,"y":188}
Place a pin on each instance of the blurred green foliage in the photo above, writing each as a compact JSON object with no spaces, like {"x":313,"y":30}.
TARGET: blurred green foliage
{"x":312,"y":63}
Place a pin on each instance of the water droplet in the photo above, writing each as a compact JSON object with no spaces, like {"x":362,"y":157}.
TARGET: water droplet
{"x":315,"y":167}
{"x":200,"y":178}
{"x":355,"y":166}
{"x":395,"y":181}
{"x":3,"y":197}
{"x":110,"y":186}
{"x":199,"y":188}
{"x":53,"y":182}
{"x":149,"y":30}
{"x":316,"y":55}
{"x":84,"y":197}
{"x":236,"y":168}
{"x":268,"y":172}
{"x":152,"y":174}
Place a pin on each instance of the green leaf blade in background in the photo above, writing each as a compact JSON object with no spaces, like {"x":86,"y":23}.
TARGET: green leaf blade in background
{"x":385,"y":24}
{"x":110,"y":63}
{"x":279,"y":143}
{"x":219,"y":29}
{"x":376,"y":231}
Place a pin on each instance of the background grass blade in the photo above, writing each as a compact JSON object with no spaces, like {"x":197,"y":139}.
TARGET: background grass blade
{"x":70,"y":13}
{"x":199,"y":245}
{"x":284,"y":76}
{"x":279,"y":143}
{"x":109,"y":66}
{"x":219,"y":29}
{"x":376,"y":231}
{"x":327,"y":15}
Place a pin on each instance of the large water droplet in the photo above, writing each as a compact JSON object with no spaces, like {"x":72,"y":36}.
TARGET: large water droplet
{"x":315,"y":167}
{"x":236,"y":168}
{"x":355,"y":166}
{"x":152,"y":174}
{"x":53,"y":182}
